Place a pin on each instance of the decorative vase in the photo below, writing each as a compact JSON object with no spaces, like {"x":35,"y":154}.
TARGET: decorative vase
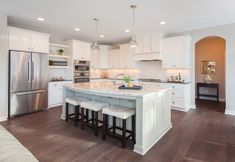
{"x":207,"y":79}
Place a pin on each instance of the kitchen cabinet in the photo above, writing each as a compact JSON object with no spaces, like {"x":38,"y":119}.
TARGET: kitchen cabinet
{"x":177,"y":52}
{"x":180,"y":94}
{"x":95,"y":60}
{"x":126,"y":56}
{"x":114,"y":58}
{"x":55,"y":93}
{"x":79,"y":50}
{"x":99,"y":60}
{"x":149,"y":44}
{"x":25,"y":40}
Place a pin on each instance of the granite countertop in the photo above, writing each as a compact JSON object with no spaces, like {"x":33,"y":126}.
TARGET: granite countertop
{"x":60,"y":80}
{"x":147,"y":80}
{"x":111,"y":89}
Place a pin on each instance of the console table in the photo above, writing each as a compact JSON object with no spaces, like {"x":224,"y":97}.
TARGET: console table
{"x":211,"y":85}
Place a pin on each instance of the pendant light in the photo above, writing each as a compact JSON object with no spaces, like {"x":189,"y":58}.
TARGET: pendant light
{"x":95,"y":46}
{"x":133,"y":43}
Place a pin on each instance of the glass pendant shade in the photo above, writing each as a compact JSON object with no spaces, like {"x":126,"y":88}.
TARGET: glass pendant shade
{"x":95,"y":47}
{"x":133,"y":43}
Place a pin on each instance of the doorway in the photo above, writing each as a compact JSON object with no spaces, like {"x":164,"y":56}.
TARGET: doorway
{"x":210,"y":53}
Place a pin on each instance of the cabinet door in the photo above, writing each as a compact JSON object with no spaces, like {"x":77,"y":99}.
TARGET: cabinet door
{"x":84,"y":50}
{"x":156,"y":43}
{"x":95,"y":60}
{"x":39,"y":43}
{"x":19,"y":40}
{"x":170,"y":50}
{"x":126,"y":57}
{"x":113,"y":59}
{"x":147,"y":44}
{"x":54,"y":94}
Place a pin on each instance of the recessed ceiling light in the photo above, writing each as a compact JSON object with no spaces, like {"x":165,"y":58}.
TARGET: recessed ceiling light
{"x":163,"y":23}
{"x":41,"y":19}
{"x":101,"y":36}
{"x":77,"y":29}
{"x":127,"y":30}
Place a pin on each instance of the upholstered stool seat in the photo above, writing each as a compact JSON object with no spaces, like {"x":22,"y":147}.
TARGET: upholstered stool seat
{"x":123,"y":113}
{"x":74,"y":101}
{"x":119,"y":112}
{"x":95,"y":107}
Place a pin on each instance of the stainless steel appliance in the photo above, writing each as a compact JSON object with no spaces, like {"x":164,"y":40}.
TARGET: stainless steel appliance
{"x":28,"y":82}
{"x":81,"y":71}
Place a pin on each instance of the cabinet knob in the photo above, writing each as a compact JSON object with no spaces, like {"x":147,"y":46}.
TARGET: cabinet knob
{"x":173,"y":93}
{"x":173,"y":102}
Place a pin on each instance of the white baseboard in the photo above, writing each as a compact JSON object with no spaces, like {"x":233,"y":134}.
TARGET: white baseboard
{"x":3,"y":118}
{"x":193,"y":106}
{"x":229,"y":112}
{"x":180,"y":109}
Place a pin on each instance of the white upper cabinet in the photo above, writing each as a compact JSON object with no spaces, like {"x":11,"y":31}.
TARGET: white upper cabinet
{"x":95,"y":60}
{"x":39,"y":43}
{"x":177,"y":52}
{"x":114,"y":58}
{"x":149,"y":44}
{"x":79,"y":50}
{"x":84,"y":50}
{"x":24,"y":40}
{"x":19,"y":40}
{"x":126,"y":56}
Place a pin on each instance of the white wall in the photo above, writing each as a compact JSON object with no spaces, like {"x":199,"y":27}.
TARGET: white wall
{"x":228,"y":33}
{"x":4,"y":66}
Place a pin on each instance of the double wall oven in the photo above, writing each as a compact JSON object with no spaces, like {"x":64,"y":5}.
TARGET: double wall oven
{"x":81,"y":71}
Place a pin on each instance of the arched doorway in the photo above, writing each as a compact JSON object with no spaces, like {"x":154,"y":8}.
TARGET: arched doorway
{"x":210,"y":52}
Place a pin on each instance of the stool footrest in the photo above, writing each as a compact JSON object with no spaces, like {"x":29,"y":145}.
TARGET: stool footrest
{"x":119,"y":128}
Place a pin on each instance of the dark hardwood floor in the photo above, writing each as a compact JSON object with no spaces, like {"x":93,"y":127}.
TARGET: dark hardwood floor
{"x":204,"y":134}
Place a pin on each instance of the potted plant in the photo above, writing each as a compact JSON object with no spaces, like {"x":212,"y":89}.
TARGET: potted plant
{"x":61,"y":52}
{"x":127,"y":81}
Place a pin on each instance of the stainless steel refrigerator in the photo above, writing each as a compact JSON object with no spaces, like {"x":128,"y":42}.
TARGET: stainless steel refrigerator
{"x":28,"y":82}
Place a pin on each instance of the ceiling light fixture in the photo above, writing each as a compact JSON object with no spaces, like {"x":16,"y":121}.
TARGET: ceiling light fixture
{"x":101,"y":36}
{"x":127,"y":30}
{"x":133,"y":43}
{"x":41,"y":19}
{"x":162,"y":23}
{"x":77,"y":29}
{"x":95,"y":46}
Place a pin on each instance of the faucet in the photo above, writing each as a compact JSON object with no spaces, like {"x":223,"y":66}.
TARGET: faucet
{"x":116,"y":76}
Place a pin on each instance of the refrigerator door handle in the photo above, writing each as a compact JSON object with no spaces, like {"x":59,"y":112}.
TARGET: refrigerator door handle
{"x":32,"y":71}
{"x":32,"y":92}
{"x":29,"y":72}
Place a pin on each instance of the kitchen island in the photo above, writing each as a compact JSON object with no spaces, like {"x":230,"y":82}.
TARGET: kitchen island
{"x":153,"y":108}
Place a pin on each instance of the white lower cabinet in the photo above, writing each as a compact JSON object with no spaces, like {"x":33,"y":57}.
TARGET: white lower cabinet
{"x":180,"y":94}
{"x":55,"y":93}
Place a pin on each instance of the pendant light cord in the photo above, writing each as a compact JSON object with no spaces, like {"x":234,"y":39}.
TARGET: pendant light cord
{"x":133,"y":21}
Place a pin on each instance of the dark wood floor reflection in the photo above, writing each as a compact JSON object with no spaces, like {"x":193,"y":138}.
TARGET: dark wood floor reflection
{"x":204,"y":134}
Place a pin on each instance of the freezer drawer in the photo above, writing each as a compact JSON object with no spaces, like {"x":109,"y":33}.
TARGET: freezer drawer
{"x":27,"y":102}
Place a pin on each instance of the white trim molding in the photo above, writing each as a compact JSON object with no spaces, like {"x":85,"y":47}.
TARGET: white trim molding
{"x":229,"y":112}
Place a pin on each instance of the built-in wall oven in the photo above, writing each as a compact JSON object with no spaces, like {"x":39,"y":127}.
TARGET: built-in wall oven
{"x":81,"y":71}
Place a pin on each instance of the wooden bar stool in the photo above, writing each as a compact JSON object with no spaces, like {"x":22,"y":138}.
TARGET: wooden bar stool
{"x":118,"y":112}
{"x":95,"y":107}
{"x":75,"y":101}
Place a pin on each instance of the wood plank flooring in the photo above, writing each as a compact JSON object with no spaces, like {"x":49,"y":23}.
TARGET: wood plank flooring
{"x":201,"y":135}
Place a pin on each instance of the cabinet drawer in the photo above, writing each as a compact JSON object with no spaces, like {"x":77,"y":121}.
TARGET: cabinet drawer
{"x":179,"y":93}
{"x":177,"y":102}
{"x":55,"y":86}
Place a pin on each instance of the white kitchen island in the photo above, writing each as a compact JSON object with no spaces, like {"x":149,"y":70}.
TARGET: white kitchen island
{"x":153,"y":108}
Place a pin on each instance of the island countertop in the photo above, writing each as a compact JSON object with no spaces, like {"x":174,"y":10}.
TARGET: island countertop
{"x":110,"y":88}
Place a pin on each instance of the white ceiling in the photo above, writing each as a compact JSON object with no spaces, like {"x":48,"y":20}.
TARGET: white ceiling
{"x":62,"y":16}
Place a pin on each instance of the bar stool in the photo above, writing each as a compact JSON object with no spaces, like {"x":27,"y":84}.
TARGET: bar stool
{"x":74,"y":101}
{"x":95,"y":107}
{"x":123,"y":113}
